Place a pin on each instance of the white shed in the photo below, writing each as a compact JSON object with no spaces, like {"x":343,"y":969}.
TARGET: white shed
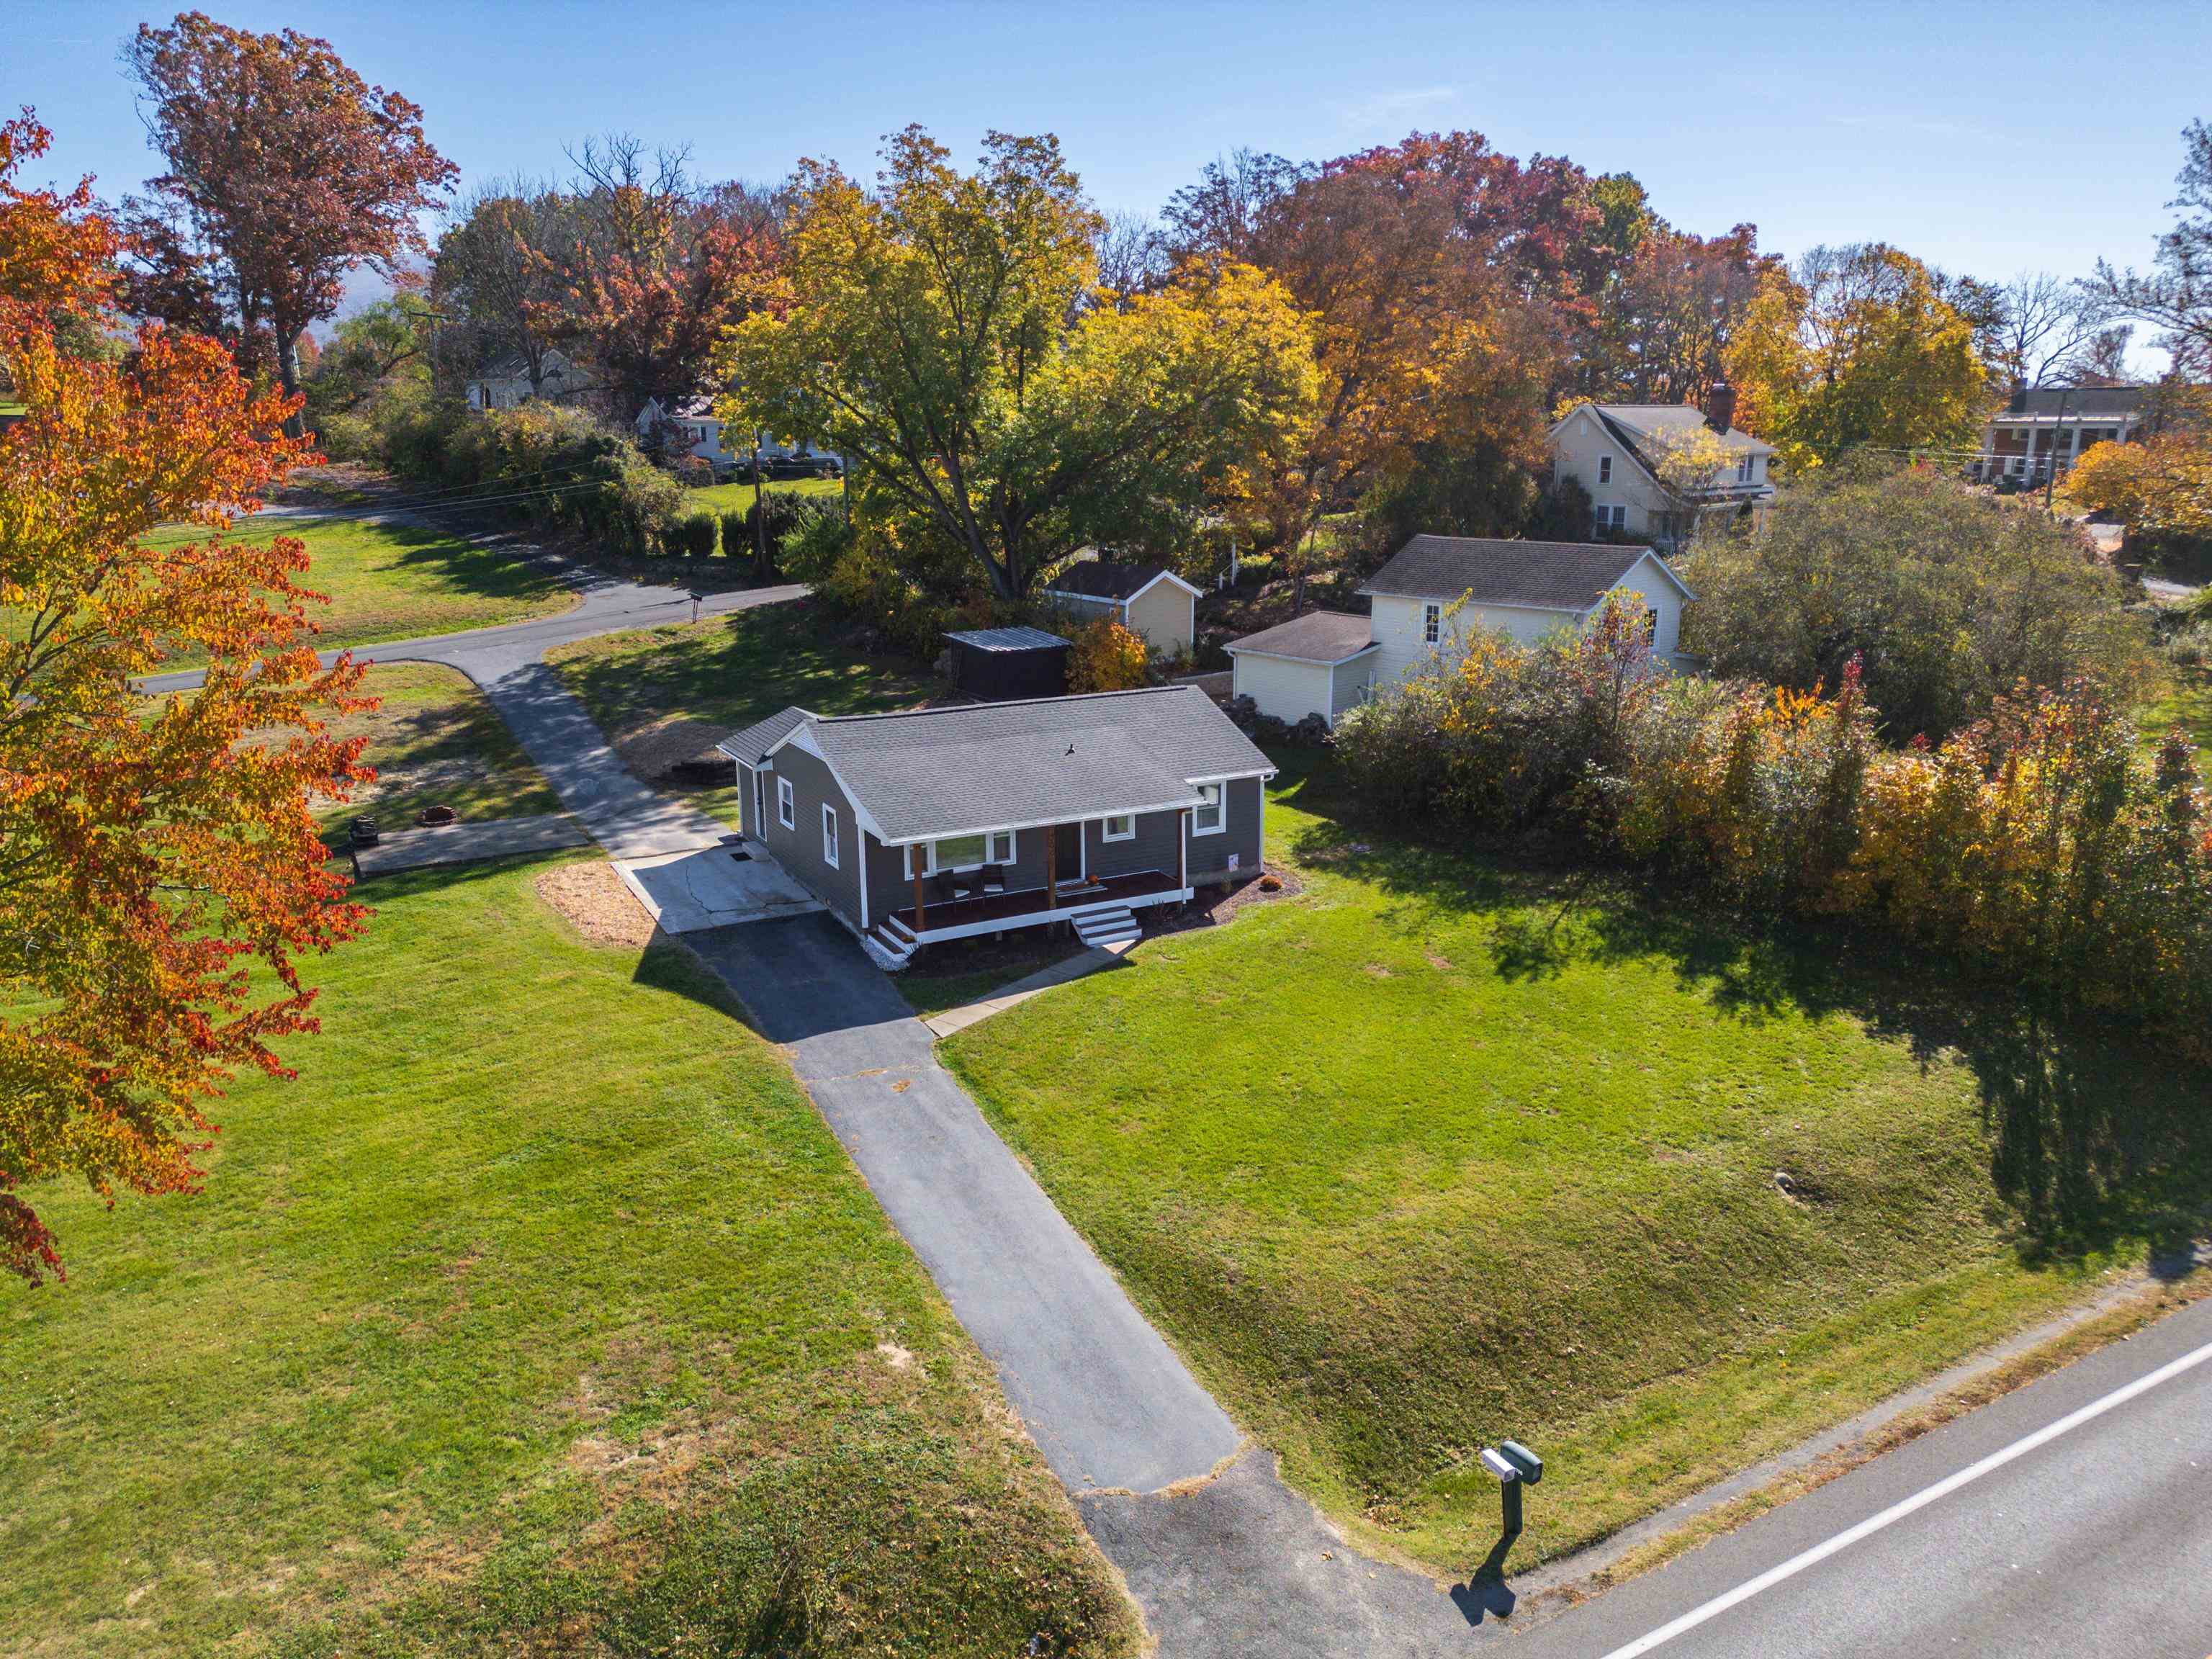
{"x":1322,"y":663}
{"x":1151,"y":602}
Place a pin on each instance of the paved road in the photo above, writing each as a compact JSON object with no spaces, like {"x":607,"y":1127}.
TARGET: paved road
{"x":2096,"y":1544}
{"x":1235,"y":1565}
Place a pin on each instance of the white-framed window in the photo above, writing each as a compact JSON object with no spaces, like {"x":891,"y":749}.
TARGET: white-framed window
{"x":959,"y":853}
{"x":1605,"y":469}
{"x":1746,"y":468}
{"x":1650,"y":625}
{"x":1613,"y":517}
{"x":785,"y":813}
{"x":1121,"y":826}
{"x":1432,"y":623}
{"x":829,"y":834}
{"x":1209,"y":819}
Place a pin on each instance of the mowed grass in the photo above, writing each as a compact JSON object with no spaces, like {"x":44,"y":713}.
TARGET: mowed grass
{"x":1437,"y":1153}
{"x":738,"y":497}
{"x":388,"y":581}
{"x":436,"y":740}
{"x":692,"y":685}
{"x":541,"y":1313}
{"x":2188,"y":707}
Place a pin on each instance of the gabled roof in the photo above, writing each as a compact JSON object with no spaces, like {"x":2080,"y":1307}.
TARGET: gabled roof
{"x":931,"y":772}
{"x":1103,"y":579}
{"x":1565,"y":576}
{"x":1641,"y":425}
{"x":1009,"y":639}
{"x":757,"y":740}
{"x":1324,"y":636}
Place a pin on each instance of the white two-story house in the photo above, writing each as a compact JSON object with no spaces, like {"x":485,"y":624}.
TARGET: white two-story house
{"x":1436,"y":594}
{"x":1653,"y":470}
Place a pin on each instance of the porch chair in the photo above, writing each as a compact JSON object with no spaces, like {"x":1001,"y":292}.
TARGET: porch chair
{"x":995,"y":879}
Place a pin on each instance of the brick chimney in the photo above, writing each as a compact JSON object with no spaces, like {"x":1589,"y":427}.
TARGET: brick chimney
{"x":1720,"y":406}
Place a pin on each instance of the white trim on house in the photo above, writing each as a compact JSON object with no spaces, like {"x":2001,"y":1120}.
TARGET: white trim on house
{"x":931,"y":866}
{"x":1124,"y":604}
{"x":800,"y":736}
{"x":829,"y":838}
{"x":1219,"y":803}
{"x":1317,"y":662}
{"x":786,"y":806}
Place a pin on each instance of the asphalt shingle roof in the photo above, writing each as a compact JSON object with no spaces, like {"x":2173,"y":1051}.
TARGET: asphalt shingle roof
{"x":1102,"y":579}
{"x":1647,"y":422}
{"x":757,"y":740}
{"x":1330,"y":636}
{"x":1009,"y":765}
{"x":1569,"y":576}
{"x":2084,"y":400}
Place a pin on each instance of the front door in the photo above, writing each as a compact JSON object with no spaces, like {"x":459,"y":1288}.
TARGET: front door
{"x":1067,"y":852}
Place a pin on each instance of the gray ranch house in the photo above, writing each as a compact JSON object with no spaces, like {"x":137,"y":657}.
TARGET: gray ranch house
{"x":942,"y":823}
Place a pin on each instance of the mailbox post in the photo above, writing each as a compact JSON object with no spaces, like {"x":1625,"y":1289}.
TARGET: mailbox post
{"x":1516,"y":1466}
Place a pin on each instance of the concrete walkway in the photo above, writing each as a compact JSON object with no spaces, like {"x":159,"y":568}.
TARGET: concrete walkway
{"x":467,"y":843}
{"x":1084,"y":963}
{"x":1222,"y":1557}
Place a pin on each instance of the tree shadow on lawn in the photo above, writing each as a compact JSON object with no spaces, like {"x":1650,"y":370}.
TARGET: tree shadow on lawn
{"x":497,"y":568}
{"x":2097,"y":1135}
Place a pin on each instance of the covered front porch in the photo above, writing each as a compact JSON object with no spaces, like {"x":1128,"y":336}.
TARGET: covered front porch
{"x":927,"y":918}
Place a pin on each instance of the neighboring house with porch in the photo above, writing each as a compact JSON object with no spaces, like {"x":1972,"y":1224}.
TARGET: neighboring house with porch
{"x":942,"y":823}
{"x":504,"y":383}
{"x":1630,"y":457}
{"x":2055,"y":423}
{"x":1150,"y":600}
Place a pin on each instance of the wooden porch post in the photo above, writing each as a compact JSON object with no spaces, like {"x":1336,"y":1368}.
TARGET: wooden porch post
{"x":918,"y":917}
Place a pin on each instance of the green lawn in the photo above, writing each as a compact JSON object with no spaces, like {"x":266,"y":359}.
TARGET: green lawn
{"x":1435,"y":1153}
{"x":2188,"y":705}
{"x":738,"y":497}
{"x":962,"y":971}
{"x":658,"y":692}
{"x":436,"y":740}
{"x":542,"y":1313}
{"x":390,"y":582}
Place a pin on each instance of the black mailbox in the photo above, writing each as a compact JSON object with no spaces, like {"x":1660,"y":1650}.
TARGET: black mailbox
{"x":1526,"y":1463}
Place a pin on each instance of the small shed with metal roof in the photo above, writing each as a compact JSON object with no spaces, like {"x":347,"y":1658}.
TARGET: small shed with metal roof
{"x":999,"y":663}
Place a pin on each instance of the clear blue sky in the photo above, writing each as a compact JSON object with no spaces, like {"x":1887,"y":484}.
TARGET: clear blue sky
{"x":1987,"y":138}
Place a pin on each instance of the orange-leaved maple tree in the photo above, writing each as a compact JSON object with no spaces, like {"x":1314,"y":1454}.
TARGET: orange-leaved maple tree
{"x":160,"y":874}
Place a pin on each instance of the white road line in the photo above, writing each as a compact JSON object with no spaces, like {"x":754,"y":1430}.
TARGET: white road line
{"x":1919,"y":1500}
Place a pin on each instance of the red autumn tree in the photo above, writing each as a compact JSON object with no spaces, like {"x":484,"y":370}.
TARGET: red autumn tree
{"x":56,"y":254}
{"x":652,"y":270}
{"x":287,"y":171}
{"x":160,"y":873}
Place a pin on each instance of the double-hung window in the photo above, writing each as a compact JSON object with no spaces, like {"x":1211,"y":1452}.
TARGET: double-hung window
{"x":1432,"y":623}
{"x":956,"y":853}
{"x":1615,"y":517}
{"x":1206,"y":819}
{"x":829,"y":834}
{"x":1122,"y":826}
{"x":785,"y":813}
{"x":1605,"y":469}
{"x":1745,"y":467}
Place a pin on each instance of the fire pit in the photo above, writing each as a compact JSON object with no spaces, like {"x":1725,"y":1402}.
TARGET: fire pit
{"x":437,"y":817}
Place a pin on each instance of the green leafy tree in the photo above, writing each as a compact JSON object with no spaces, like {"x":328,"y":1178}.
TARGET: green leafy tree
{"x":1948,"y":598}
{"x":1857,"y":347}
{"x":937,"y":334}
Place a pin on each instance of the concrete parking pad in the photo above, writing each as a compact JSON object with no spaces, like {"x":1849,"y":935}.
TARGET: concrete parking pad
{"x":713,"y":886}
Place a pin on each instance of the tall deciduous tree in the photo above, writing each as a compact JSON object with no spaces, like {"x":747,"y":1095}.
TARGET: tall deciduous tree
{"x":57,"y":252}
{"x":1856,"y":347}
{"x":938,"y":336}
{"x":160,"y":873}
{"x":650,"y":270}
{"x":2176,"y":296}
{"x":496,"y":281}
{"x":287,"y":170}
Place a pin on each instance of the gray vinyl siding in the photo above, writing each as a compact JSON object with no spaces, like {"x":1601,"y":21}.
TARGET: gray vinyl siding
{"x":1154,"y":849}
{"x":1209,"y":854}
{"x":800,"y":850}
{"x":746,"y":812}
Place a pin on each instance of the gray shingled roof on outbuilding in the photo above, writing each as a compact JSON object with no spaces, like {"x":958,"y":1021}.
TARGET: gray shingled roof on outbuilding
{"x":1329,"y":636}
{"x":1014,"y":765}
{"x":757,"y":740}
{"x":1103,"y":579}
{"x":1569,"y":576}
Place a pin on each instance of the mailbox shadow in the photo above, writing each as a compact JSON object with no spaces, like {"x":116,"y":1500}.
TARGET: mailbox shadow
{"x":1485,"y":1591}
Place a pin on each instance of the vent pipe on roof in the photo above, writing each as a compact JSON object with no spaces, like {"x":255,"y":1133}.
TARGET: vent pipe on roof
{"x":1720,"y":406}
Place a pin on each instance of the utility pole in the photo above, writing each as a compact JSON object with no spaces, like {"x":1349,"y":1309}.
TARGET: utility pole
{"x":760,"y":513}
{"x":2058,"y":425}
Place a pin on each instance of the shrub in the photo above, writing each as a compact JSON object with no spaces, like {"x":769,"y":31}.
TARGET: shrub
{"x":2038,"y":843}
{"x":1106,"y":657}
{"x":696,"y":534}
{"x":737,"y":536}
